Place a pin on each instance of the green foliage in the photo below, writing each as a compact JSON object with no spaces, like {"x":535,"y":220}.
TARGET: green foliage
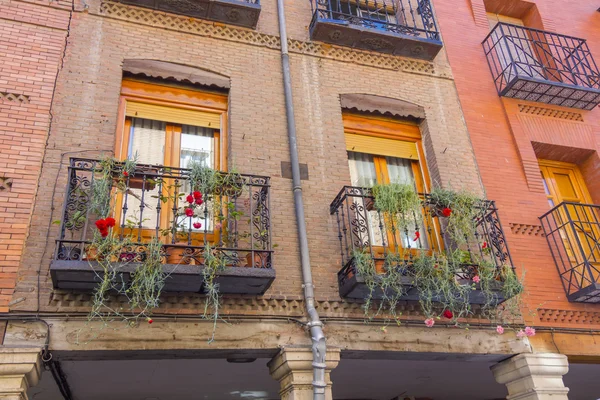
{"x":214,"y":263}
{"x":436,"y":276}
{"x":400,"y":205}
{"x":148,"y":280}
{"x":466,"y":208}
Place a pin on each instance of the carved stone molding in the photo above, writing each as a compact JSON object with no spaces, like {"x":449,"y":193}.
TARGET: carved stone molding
{"x":569,"y":316}
{"x":14,"y":97}
{"x":217,"y":31}
{"x":526,"y":229}
{"x":20,"y":369}
{"x":549,"y":112}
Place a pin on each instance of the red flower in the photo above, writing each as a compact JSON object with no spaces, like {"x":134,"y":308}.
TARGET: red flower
{"x":448,"y":314}
{"x":197,"y":195}
{"x":149,"y":320}
{"x":189,"y":198}
{"x":189,"y":212}
{"x":110,"y":222}
{"x":484,"y":245}
{"x":104,"y":232}
{"x":446,"y":212}
{"x":197,"y":225}
{"x":101,"y":225}
{"x":417,"y":236}
{"x":199,"y":201}
{"x":125,"y":173}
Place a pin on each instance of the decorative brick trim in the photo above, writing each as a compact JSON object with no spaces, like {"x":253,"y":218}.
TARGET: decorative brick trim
{"x":569,"y":316}
{"x":14,"y":97}
{"x":549,"y":112}
{"x":526,"y":229}
{"x":218,"y":31}
{"x":5,"y":183}
{"x":190,"y":304}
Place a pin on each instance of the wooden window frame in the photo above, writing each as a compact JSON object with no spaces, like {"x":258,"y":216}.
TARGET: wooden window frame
{"x":180,"y":98}
{"x":400,"y":130}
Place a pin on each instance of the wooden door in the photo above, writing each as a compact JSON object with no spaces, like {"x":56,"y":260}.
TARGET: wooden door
{"x":563,"y":182}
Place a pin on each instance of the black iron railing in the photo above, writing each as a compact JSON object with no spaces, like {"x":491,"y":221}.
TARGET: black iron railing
{"x":573,"y":234}
{"x":362,"y":228}
{"x":404,"y":17}
{"x":542,"y":66}
{"x":150,"y":202}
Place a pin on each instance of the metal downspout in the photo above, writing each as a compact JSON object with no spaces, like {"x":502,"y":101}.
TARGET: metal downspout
{"x":315,"y":325}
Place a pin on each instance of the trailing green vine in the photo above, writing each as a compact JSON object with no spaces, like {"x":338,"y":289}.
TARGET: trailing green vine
{"x":445,"y":281}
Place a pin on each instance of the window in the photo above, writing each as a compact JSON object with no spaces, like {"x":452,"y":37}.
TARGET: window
{"x":384,"y":151}
{"x":169,"y":127}
{"x":515,"y":48}
{"x":378,"y":14}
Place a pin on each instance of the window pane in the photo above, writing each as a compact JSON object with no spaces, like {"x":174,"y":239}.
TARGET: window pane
{"x":147,"y":144}
{"x":400,"y":170}
{"x":362,"y":169}
{"x":147,"y":141}
{"x":197,"y":144}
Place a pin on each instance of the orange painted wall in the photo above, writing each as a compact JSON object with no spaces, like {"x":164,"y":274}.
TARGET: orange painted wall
{"x":503,"y":131}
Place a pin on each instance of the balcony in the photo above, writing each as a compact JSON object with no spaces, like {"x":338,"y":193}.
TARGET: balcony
{"x":573,"y":234}
{"x":150,"y":203}
{"x":546,"y":67}
{"x":400,"y":27}
{"x":234,"y":12}
{"x":362,"y":228}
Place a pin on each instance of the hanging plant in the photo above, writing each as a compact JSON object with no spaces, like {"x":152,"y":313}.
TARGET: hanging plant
{"x":460,"y":210}
{"x":400,"y":205}
{"x":214,"y":263}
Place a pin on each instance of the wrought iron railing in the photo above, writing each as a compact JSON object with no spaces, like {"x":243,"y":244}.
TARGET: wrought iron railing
{"x":536,"y":65}
{"x":573,"y":234}
{"x":362,"y":228}
{"x":150,"y":203}
{"x":405,"y":17}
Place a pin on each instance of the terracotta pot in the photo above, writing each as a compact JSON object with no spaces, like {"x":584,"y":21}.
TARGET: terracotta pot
{"x":380,"y":267}
{"x":260,"y":260}
{"x":176,"y":256}
{"x":91,"y":253}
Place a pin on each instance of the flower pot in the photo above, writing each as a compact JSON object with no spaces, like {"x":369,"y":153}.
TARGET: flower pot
{"x":177,"y":255}
{"x":380,"y":267}
{"x":260,"y":260}
{"x":91,"y":253}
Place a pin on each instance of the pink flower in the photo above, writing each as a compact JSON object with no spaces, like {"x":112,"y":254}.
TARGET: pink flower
{"x":529,"y":331}
{"x":476,"y":279}
{"x":218,"y":226}
{"x":521,"y":334}
{"x":189,"y":212}
{"x":429,"y":322}
{"x":197,"y":225}
{"x":500,"y":329}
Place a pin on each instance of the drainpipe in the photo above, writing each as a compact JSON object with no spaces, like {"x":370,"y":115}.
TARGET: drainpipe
{"x":315,"y":325}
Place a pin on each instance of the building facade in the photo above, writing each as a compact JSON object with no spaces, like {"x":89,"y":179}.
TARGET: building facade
{"x":536,"y":144}
{"x":377,"y":93}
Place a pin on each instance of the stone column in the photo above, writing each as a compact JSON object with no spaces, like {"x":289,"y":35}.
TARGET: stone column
{"x":535,"y":376}
{"x":292,"y":367}
{"x":20,"y":369}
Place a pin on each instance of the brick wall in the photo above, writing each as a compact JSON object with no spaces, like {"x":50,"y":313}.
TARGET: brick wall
{"x":32,"y":38}
{"x":503,"y":136}
{"x":85,"y":109}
